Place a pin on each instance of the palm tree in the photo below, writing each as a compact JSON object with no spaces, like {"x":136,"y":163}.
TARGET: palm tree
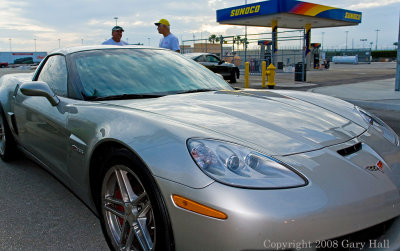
{"x":213,"y":38}
{"x":244,"y":42}
{"x":238,"y":39}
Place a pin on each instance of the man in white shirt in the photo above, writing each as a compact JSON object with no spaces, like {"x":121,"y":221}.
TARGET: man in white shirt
{"x":169,"y":41}
{"x":116,"y":37}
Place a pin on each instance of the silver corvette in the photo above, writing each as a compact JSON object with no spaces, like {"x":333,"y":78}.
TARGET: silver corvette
{"x":172,"y":158}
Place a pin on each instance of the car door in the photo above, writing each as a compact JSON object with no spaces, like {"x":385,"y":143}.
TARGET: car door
{"x":217,"y":66}
{"x":41,"y":126}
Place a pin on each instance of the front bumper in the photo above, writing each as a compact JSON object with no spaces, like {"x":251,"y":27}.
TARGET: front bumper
{"x":256,"y":217}
{"x":342,"y":197}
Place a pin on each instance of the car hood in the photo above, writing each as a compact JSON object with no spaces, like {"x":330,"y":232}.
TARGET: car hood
{"x":278,"y":124}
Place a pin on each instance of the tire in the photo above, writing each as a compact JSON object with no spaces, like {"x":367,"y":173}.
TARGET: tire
{"x":232,"y":79}
{"x":7,"y":144}
{"x":132,"y":211}
{"x":2,"y":66}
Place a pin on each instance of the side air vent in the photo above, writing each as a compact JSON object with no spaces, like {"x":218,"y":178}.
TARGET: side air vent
{"x":350,"y":150}
{"x":13,"y":122}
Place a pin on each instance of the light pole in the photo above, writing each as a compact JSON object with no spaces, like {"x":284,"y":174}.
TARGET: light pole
{"x":245,"y":40}
{"x":347,"y":33}
{"x":35,"y":43}
{"x":397,"y":82}
{"x":116,"y":21}
{"x":376,"y":44}
{"x":82,"y":41}
{"x":59,"y":43}
{"x":10,"y":43}
{"x":148,"y":40}
{"x":363,"y":40}
{"x":322,"y":42}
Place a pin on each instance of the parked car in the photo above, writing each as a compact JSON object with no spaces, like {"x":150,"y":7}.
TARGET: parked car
{"x":3,"y":65}
{"x":214,"y":63}
{"x":170,"y":156}
{"x":25,"y":60}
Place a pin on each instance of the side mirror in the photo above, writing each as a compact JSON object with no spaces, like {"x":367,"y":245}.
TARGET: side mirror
{"x":221,"y":62}
{"x":41,"y":89}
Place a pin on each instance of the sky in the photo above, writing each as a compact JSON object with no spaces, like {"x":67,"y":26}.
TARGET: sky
{"x":51,"y":24}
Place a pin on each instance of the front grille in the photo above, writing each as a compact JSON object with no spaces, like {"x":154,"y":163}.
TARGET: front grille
{"x":350,"y":150}
{"x":364,"y":236}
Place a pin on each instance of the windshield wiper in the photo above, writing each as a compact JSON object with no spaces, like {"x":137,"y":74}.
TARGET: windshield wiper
{"x":122,"y":96}
{"x":196,"y":90}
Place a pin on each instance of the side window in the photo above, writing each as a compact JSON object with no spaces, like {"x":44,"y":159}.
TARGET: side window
{"x":54,"y":73}
{"x":201,"y":59}
{"x":212,"y":59}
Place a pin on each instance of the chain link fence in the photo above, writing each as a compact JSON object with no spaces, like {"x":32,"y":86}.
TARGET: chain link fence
{"x":253,"y":48}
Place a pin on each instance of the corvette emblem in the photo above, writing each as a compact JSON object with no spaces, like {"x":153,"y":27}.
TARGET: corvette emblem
{"x":77,"y":149}
{"x":377,"y":167}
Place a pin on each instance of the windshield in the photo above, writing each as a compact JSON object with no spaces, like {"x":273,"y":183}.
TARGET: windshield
{"x":115,"y":72}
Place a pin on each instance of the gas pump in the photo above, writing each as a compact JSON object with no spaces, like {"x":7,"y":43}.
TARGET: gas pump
{"x":316,"y":54}
{"x":265,"y":52}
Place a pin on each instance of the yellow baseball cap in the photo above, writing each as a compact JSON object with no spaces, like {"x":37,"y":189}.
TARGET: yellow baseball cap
{"x":162,"y":21}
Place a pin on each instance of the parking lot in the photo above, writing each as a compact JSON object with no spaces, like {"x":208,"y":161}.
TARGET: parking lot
{"x":39,"y":213}
{"x":337,"y":74}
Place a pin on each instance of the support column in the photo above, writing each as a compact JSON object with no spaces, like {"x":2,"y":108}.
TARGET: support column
{"x":274,"y":40}
{"x":397,"y":83}
{"x":221,"y":40}
{"x":246,"y":74}
{"x":308,"y":46}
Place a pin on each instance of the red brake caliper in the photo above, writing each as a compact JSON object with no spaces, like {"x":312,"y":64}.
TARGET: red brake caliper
{"x":120,"y":208}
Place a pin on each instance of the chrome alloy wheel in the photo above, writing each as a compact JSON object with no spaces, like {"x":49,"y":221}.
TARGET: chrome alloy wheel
{"x":2,"y":137}
{"x":127,"y":210}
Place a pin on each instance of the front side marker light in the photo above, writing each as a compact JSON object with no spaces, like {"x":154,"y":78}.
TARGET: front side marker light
{"x":193,"y":206}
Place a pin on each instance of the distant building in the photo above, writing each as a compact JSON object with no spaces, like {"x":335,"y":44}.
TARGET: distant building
{"x":22,"y":57}
{"x":207,"y":48}
{"x":212,"y":48}
{"x":186,"y":49}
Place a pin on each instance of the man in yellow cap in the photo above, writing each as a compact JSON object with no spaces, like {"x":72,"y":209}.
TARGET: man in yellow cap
{"x":169,"y":41}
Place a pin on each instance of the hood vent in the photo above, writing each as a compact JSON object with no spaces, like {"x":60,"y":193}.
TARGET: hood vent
{"x":350,"y":150}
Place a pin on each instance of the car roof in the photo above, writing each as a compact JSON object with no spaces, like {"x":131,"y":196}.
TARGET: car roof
{"x":196,"y":54}
{"x":75,"y":49}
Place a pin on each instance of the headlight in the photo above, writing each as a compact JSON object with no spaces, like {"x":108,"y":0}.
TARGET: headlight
{"x":380,"y":126}
{"x":239,"y":166}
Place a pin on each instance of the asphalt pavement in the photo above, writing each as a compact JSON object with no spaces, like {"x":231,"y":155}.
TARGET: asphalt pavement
{"x":378,"y":97}
{"x":39,"y":213}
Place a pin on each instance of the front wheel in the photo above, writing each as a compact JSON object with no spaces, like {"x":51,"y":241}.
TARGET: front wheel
{"x":7,"y":144}
{"x":133,"y":214}
{"x":232,"y":79}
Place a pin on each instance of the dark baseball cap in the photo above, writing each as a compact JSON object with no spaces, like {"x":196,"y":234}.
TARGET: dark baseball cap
{"x":117,"y":28}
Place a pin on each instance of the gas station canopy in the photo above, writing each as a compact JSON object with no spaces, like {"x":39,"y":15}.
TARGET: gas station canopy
{"x":288,"y":14}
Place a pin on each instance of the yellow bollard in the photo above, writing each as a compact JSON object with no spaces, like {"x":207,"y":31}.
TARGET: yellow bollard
{"x":263,"y":72}
{"x":271,"y":71}
{"x":246,"y":74}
